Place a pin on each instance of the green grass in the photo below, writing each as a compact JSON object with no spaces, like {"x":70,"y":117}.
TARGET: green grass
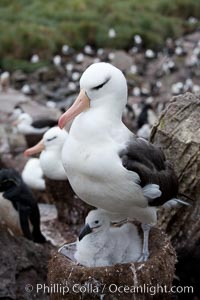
{"x":43,"y":26}
{"x":14,"y":64}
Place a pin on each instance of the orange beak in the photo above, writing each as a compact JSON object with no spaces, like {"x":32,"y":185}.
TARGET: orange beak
{"x":81,"y":103}
{"x":35,"y":149}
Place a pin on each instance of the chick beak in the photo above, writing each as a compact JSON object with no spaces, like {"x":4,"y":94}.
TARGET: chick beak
{"x":35,"y":149}
{"x":81,"y":103}
{"x":85,"y":231}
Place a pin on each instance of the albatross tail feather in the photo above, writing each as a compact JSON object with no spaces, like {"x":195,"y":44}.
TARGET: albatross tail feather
{"x":151,"y":191}
{"x":174,"y":202}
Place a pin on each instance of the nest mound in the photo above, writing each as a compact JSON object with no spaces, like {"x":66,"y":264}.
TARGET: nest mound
{"x":33,"y":139}
{"x":122,"y":281}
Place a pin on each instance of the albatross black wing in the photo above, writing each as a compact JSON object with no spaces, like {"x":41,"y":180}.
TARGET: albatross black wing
{"x":149,"y":162}
{"x":44,"y":123}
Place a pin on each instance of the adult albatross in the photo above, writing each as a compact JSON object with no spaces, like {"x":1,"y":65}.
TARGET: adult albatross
{"x":106,"y":164}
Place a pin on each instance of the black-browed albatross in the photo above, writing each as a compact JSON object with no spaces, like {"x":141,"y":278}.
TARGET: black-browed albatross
{"x":106,"y":164}
{"x":26,"y":125}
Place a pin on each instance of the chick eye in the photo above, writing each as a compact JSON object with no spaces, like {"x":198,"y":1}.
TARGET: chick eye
{"x":96,"y":222}
{"x":51,"y":139}
{"x":100,"y":85}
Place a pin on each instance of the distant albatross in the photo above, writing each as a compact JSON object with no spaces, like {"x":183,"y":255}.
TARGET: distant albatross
{"x":106,"y":164}
{"x":26,"y":125}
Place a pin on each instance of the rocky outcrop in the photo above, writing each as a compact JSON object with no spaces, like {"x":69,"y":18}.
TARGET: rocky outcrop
{"x":178,"y":132}
{"x":23,"y":266}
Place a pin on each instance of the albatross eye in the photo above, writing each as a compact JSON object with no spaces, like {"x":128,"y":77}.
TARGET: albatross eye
{"x":96,"y":222}
{"x":101,"y":85}
{"x":98,"y":86}
{"x":51,"y":139}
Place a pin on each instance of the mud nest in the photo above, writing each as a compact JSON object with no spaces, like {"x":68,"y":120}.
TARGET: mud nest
{"x":33,"y":139}
{"x":71,"y":209}
{"x":92,"y":283}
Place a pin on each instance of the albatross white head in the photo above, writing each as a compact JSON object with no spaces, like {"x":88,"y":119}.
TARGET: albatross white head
{"x":96,"y":222}
{"x":50,"y":158}
{"x":53,"y":139}
{"x":103,"y":88}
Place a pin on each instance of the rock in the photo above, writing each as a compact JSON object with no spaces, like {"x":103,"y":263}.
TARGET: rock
{"x":62,"y":93}
{"x":17,"y":142}
{"x":67,"y":102}
{"x":38,"y":111}
{"x":188,"y":271}
{"x":122,"y":60}
{"x":45,"y":74}
{"x":197,"y":73}
{"x":4,"y":142}
{"x":17,"y":162}
{"x":10,"y":99}
{"x":49,"y":94}
{"x":99,"y":281}
{"x":57,"y":93}
{"x":193,"y":37}
{"x":2,"y":164}
{"x":19,"y":77}
{"x":178,"y":133}
{"x":22,"y":263}
{"x":86,"y":62}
